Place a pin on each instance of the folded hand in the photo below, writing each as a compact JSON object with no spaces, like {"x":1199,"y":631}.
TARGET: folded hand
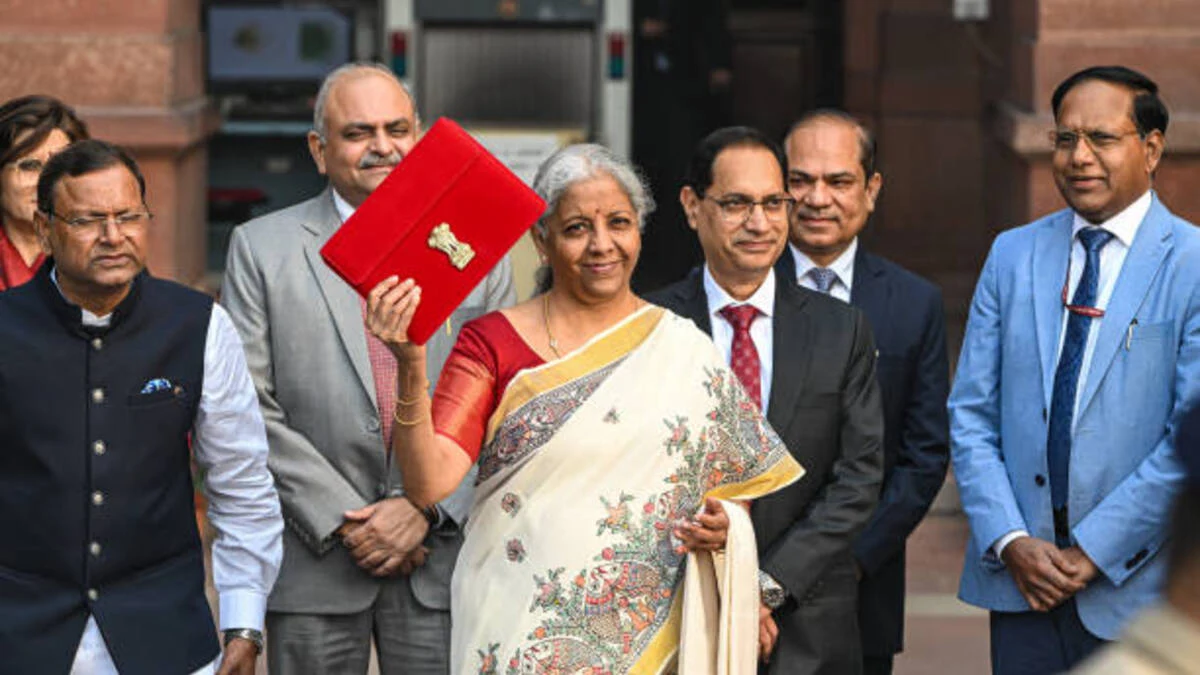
{"x":1044,"y":574}
{"x":381,"y":536}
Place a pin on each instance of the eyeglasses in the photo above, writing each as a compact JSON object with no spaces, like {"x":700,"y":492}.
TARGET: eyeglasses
{"x":27,"y":169}
{"x":1065,"y":140}
{"x":736,"y":209}
{"x":124,"y":221}
{"x":29,"y":165}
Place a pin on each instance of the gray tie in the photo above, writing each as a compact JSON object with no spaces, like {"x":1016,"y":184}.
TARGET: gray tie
{"x":823,"y":277}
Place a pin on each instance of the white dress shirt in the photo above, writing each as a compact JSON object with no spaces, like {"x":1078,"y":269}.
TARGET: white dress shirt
{"x":229,"y":442}
{"x":1124,"y":227}
{"x":343,"y":208}
{"x":761,"y":333}
{"x":843,"y":267}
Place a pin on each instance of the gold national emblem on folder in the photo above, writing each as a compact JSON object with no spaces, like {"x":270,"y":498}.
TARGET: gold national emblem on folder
{"x":460,"y":253}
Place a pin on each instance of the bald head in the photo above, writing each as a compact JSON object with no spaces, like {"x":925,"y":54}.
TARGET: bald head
{"x":365,"y":125}
{"x":345,"y":72}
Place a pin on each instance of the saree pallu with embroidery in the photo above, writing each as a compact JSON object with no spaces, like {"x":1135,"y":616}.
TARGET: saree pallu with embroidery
{"x":570,"y":564}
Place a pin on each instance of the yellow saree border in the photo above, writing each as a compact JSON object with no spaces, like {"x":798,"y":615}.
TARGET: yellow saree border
{"x":781,"y":474}
{"x":598,"y":352}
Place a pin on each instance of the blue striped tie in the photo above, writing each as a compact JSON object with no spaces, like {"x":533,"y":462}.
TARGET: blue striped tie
{"x":823,"y":278}
{"x":1066,"y":376}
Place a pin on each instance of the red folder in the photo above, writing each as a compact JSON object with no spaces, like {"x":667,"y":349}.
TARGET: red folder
{"x":444,"y":217}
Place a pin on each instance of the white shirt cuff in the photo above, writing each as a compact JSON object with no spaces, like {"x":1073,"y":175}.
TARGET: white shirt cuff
{"x":242,"y":608}
{"x":998,"y":547}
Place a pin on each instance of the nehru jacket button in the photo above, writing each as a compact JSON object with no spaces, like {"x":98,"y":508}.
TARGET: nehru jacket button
{"x":97,"y":395}
{"x":97,"y":344}
{"x":1040,"y":480}
{"x":97,"y":498}
{"x":99,"y":447}
{"x":93,"y":594}
{"x":94,"y":548}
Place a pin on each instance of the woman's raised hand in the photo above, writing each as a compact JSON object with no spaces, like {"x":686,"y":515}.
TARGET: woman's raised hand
{"x":390,"y":309}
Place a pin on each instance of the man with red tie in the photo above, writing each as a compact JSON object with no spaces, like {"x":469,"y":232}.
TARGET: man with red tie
{"x":809,"y":360}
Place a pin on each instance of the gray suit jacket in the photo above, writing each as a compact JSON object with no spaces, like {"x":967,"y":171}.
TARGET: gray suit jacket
{"x":306,"y":347}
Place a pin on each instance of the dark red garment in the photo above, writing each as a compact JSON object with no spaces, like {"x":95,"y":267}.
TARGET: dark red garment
{"x":488,"y":355}
{"x":444,"y":217}
{"x":743,"y":355}
{"x":13,"y":270}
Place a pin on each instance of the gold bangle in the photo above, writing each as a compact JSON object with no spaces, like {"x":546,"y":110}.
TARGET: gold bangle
{"x":408,"y":401}
{"x":415,"y":399}
{"x":406,"y":423}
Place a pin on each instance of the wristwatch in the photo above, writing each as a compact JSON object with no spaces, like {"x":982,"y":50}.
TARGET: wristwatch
{"x":433,"y":515}
{"x":250,"y":634}
{"x":770,"y":591}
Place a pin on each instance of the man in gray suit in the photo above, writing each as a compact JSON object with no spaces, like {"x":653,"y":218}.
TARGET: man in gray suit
{"x":360,"y":561}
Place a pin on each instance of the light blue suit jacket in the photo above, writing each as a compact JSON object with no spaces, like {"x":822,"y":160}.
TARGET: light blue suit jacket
{"x":1123,"y":469}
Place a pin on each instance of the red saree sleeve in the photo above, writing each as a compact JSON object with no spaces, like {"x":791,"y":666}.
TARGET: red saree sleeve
{"x":487,"y":355}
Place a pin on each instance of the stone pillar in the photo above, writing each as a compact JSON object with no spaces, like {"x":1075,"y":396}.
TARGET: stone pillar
{"x":133,"y":71}
{"x":1044,"y":41}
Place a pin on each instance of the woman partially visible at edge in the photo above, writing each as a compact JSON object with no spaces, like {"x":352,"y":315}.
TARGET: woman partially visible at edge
{"x":32,"y":128}
{"x":604,"y":429}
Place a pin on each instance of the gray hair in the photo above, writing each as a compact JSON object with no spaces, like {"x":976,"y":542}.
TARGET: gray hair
{"x":345,"y":70}
{"x":576,"y":163}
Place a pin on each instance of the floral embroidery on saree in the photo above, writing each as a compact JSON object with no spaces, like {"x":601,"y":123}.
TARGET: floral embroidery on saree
{"x":510,"y":504}
{"x":602,"y":618}
{"x":534,"y":423}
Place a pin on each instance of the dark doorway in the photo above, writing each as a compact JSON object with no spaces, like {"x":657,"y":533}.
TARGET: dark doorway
{"x":779,"y":57}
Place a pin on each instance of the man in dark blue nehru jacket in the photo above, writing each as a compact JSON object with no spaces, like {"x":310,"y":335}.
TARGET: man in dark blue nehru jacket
{"x":104,"y":373}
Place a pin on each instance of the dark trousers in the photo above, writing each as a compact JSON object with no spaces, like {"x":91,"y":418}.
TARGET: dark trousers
{"x":877,"y":665}
{"x":1036,"y":643}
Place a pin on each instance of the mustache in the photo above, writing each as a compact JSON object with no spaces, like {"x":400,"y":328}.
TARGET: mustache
{"x":373,"y":159}
{"x":803,"y":213}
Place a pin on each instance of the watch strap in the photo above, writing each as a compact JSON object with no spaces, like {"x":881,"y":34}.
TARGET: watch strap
{"x":254,"y":636}
{"x":772,"y":593}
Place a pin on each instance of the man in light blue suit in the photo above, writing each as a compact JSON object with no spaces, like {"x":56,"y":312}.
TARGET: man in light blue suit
{"x":1082,"y":349}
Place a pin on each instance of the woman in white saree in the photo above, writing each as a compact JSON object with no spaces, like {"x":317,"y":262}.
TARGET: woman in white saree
{"x":605,"y":430}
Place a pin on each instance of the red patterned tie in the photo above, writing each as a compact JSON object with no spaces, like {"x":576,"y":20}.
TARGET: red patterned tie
{"x":743,"y":355}
{"x":383,"y":370}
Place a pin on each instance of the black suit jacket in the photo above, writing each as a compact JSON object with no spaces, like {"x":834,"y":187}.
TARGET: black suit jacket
{"x":908,"y":322}
{"x":825,"y":405}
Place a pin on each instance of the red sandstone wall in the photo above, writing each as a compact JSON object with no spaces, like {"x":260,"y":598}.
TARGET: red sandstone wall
{"x":133,"y":71}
